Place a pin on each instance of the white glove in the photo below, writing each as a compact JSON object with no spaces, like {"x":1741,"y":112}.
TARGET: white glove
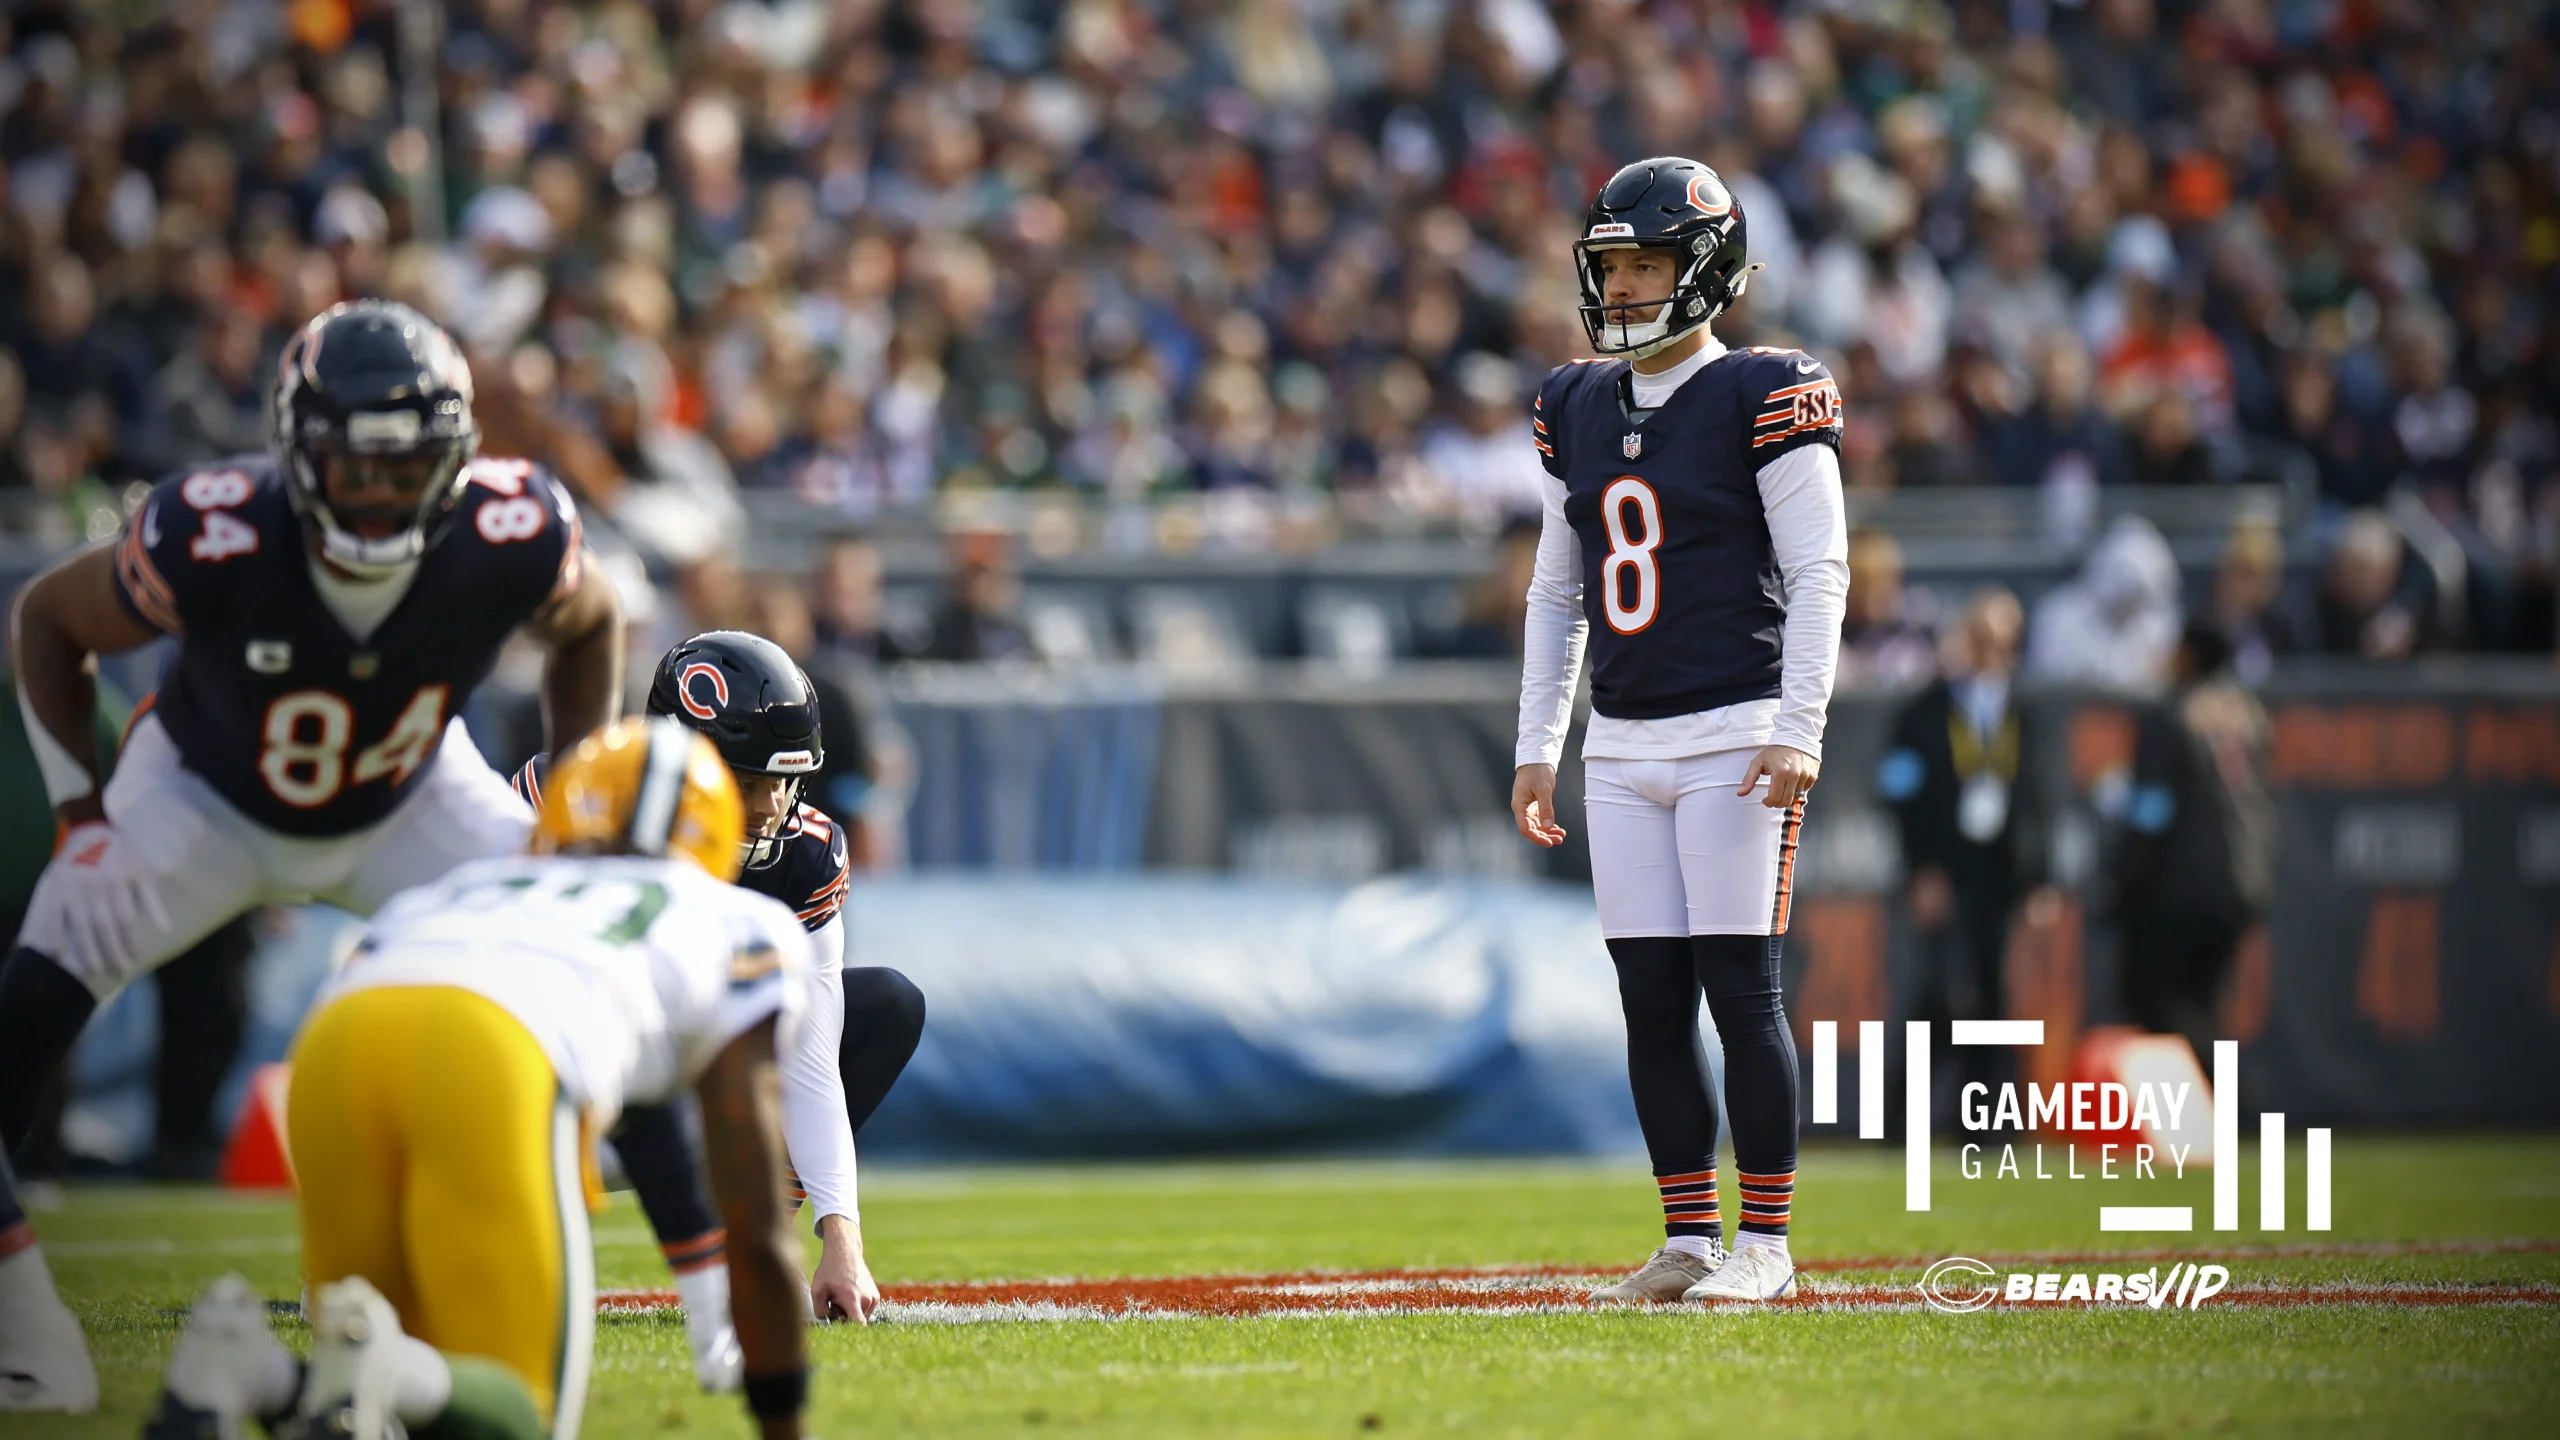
{"x":108,"y":894}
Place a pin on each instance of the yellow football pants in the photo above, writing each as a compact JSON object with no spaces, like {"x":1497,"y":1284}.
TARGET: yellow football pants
{"x":437,"y":1159}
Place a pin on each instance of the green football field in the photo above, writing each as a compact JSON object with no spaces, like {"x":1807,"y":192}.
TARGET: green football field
{"x":2382,"y":1325}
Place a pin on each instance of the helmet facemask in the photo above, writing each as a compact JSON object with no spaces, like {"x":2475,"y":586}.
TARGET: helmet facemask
{"x":395,"y":453}
{"x":1694,"y":300}
{"x":372,"y":427}
{"x":755,"y":852}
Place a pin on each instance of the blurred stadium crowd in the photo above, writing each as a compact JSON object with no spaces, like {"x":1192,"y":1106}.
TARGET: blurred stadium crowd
{"x":1265,"y":274}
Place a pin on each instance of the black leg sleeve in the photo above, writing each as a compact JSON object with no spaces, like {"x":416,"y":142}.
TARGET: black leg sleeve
{"x":42,"y":1010}
{"x":659,"y":1157}
{"x":883,"y":1021}
{"x":1739,"y":974}
{"x":1666,"y":1069}
{"x":204,"y":1006}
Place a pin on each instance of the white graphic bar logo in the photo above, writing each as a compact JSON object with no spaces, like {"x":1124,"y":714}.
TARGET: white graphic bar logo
{"x":2069,"y":1107}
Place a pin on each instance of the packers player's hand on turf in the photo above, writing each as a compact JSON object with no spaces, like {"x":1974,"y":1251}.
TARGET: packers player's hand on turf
{"x":1791,"y":773}
{"x":1533,"y":804}
{"x":842,"y":1287}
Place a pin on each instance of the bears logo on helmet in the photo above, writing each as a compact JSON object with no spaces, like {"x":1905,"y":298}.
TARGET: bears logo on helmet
{"x":694,"y":706}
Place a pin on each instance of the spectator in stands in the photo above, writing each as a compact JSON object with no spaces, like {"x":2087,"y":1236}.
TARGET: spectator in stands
{"x":354,"y":228}
{"x":845,"y":603}
{"x":2162,"y":349}
{"x":211,"y":400}
{"x":677,"y":501}
{"x":69,"y":365}
{"x":1929,"y":445}
{"x":978,"y":618}
{"x":1485,"y":459}
{"x":2061,"y":437}
{"x":1885,"y":641}
{"x":1497,"y":605}
{"x":2194,"y":856}
{"x":2116,"y":623}
{"x":1960,"y":780}
{"x":1874,"y":280}
{"x":2009,"y":301}
{"x":2344,"y":450}
{"x":2248,"y":600}
{"x":2374,"y":603}
{"x":2436,"y":425}
{"x":492,"y":285}
{"x":1127,"y":452}
{"x":2166,"y":448}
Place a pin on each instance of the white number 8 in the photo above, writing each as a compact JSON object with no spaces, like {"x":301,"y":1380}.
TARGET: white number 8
{"x":1626,"y":618}
{"x":504,"y":521}
{"x":305,"y":770}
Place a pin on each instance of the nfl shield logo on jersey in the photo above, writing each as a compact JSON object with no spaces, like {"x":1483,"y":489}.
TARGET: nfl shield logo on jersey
{"x":1632,"y":446}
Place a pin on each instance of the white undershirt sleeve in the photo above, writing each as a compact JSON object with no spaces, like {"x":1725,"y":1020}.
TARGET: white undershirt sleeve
{"x":814,"y":1127}
{"x":1552,"y":637}
{"x":1809,"y":534}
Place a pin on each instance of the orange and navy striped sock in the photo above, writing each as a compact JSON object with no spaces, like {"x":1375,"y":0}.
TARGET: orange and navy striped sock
{"x":1689,"y":1204}
{"x":702,"y":1252}
{"x":1766,"y":1199}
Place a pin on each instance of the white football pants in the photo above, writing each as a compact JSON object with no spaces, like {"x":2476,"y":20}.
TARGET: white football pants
{"x":1674,"y":851}
{"x":210,"y":863}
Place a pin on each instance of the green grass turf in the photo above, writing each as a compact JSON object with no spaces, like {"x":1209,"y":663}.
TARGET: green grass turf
{"x":129,"y":1259}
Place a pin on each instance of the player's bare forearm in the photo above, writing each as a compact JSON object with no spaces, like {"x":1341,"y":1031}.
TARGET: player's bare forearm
{"x":1789,"y":771}
{"x":1533,"y":804}
{"x":582,"y":684}
{"x":64,"y":617}
{"x":742,"y":1141}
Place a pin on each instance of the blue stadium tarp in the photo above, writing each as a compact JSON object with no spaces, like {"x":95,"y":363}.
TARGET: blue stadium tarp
{"x":1176,"y":1015}
{"x":1155,"y":1015}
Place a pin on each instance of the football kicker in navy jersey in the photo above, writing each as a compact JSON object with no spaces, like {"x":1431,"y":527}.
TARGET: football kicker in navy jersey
{"x":1693,"y":547}
{"x":303,"y":727}
{"x":1666,"y":506}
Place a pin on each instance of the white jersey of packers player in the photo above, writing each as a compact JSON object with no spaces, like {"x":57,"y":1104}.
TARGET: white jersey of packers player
{"x":632,"y":974}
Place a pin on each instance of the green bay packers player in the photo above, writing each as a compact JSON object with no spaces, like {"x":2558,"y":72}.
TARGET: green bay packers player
{"x":449,"y":1085}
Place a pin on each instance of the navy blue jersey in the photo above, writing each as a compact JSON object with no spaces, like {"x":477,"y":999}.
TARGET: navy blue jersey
{"x":304,"y":728}
{"x":1678,"y":577}
{"x":809,"y":869}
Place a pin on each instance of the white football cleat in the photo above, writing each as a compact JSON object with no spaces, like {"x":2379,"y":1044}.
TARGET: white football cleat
{"x":1663,"y":1278}
{"x":353,"y":1368}
{"x":1751,"y":1272}
{"x":44,"y":1359}
{"x":718,"y":1364}
{"x":226,"y":1358}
